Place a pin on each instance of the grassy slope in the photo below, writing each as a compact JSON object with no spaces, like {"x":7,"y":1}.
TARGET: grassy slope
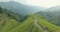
{"x":51,"y":27}
{"x":1,"y":26}
{"x":27,"y":26}
{"x":8,"y":20}
{"x":3,"y":18}
{"x":11,"y":24}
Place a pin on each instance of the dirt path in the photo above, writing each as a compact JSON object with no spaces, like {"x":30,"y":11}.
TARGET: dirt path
{"x":35,"y":22}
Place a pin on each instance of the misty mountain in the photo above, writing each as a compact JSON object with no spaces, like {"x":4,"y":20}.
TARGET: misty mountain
{"x":52,"y":14}
{"x":20,"y":8}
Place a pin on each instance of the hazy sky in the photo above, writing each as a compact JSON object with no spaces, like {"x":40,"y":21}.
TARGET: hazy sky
{"x":43,"y":3}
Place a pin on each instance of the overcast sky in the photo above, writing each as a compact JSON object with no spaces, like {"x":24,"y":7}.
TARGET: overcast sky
{"x":43,"y":3}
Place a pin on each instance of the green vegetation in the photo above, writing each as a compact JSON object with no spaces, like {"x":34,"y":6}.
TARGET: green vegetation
{"x":12,"y":22}
{"x":27,"y":26}
{"x":8,"y":20}
{"x":51,"y":15}
{"x":51,"y":27}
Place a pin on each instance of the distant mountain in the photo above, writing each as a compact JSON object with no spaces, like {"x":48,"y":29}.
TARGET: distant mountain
{"x":51,"y":15}
{"x":20,"y":8}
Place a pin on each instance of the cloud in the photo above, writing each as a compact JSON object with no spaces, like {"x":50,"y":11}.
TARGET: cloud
{"x":44,"y":3}
{"x":4,"y":0}
{"x":7,"y":0}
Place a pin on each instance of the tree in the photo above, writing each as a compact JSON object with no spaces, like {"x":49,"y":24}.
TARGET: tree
{"x":1,"y":10}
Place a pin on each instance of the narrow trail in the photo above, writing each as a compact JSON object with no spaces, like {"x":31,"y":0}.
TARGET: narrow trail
{"x":39,"y":26}
{"x":35,"y":22}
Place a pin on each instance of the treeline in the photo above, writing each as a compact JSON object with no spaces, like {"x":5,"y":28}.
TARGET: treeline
{"x":13,"y":15}
{"x":10,"y":14}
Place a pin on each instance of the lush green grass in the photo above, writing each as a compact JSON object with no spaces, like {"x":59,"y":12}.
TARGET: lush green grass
{"x":28,"y":25}
{"x":11,"y":24}
{"x":51,"y":27}
{"x":1,"y":26}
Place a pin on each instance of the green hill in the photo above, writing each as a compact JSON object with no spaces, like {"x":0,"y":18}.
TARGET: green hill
{"x":29,"y":25}
{"x":51,"y":14}
{"x":4,"y":13}
{"x":10,"y":22}
{"x":49,"y":26}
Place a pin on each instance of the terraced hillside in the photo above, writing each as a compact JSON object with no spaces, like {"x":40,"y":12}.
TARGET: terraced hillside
{"x":29,"y":25}
{"x":48,"y":26}
{"x":33,"y":23}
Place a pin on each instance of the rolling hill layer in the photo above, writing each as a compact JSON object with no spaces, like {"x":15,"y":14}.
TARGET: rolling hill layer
{"x":51,"y":14}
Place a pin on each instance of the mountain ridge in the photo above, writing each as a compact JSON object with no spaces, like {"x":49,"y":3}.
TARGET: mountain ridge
{"x":20,"y":8}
